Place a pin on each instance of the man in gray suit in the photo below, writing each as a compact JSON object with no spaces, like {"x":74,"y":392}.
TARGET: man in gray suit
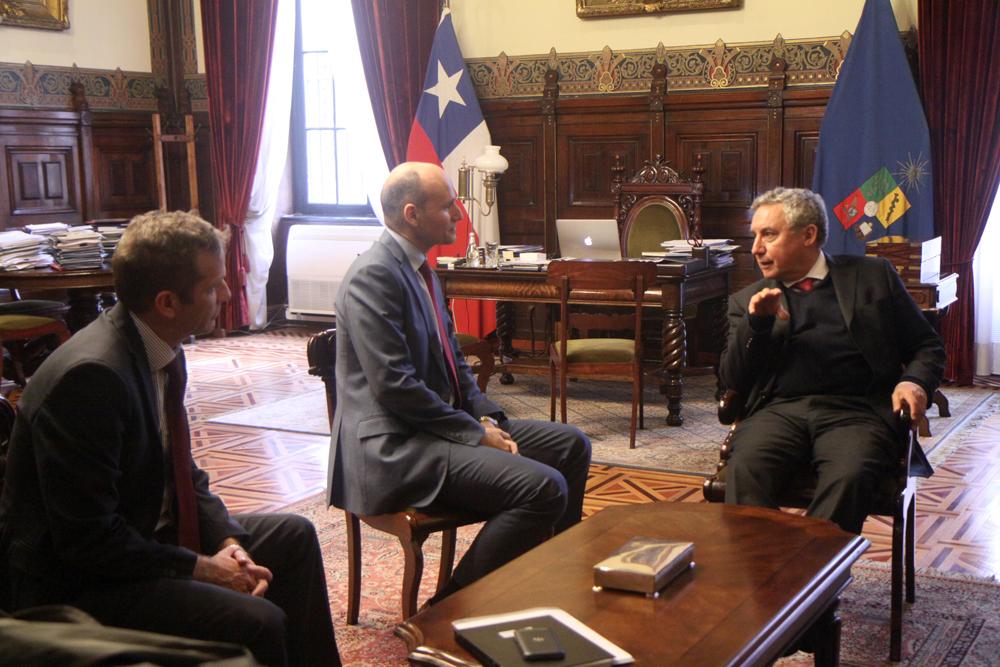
{"x":411,"y":427}
{"x":823,"y":351}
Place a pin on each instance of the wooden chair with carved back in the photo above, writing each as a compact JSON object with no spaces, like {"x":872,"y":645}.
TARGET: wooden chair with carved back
{"x":655,"y":205}
{"x":411,"y":526}
{"x":895,"y":498}
{"x":598,"y":357}
{"x":482,"y":351}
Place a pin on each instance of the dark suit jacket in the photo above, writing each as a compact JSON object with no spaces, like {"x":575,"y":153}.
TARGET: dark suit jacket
{"x":395,"y":423}
{"x":884,"y":322}
{"x":85,"y":473}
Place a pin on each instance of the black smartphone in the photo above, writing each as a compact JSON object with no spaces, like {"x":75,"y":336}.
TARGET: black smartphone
{"x":538,"y":643}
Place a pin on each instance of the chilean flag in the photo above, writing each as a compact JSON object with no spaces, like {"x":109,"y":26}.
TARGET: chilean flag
{"x":449,"y":128}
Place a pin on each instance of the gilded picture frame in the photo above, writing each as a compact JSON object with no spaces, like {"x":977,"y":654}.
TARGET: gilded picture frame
{"x":44,"y":14}
{"x":592,"y":9}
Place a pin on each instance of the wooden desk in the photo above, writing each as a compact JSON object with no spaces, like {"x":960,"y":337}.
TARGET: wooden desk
{"x":762,"y":579}
{"x":676,"y":286}
{"x":84,"y":288}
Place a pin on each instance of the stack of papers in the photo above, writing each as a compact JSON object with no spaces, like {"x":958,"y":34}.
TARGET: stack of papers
{"x":111,"y":234}
{"x":720,"y":251}
{"x":22,"y":251}
{"x":77,"y":248}
{"x":47,"y":228}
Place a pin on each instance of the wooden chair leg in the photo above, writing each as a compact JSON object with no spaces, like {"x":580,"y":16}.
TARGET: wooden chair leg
{"x":941,"y":401}
{"x":896,"y":589}
{"x":413,"y":572}
{"x":562,"y":393}
{"x":552,"y":392}
{"x":642,"y":394}
{"x":635,"y":414}
{"x":448,"y":539}
{"x":911,"y":548}
{"x":353,"y":567}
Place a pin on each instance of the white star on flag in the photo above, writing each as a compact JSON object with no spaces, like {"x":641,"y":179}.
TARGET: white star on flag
{"x":446,"y":89}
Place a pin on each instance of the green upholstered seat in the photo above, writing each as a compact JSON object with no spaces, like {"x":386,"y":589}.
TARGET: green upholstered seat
{"x":611,"y":350}
{"x":12,"y":323}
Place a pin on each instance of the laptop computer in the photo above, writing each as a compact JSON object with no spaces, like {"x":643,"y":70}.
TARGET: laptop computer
{"x":588,"y":239}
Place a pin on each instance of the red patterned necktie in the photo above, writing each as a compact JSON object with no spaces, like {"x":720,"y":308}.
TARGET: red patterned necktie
{"x":805,"y":285}
{"x":180,"y":456}
{"x":449,"y":357}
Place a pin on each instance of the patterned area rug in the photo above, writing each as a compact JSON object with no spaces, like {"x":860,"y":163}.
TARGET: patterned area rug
{"x":601,"y":409}
{"x":955,"y":621}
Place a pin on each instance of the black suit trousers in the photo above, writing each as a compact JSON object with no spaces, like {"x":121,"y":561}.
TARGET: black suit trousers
{"x":848,"y":446}
{"x":291,"y":625}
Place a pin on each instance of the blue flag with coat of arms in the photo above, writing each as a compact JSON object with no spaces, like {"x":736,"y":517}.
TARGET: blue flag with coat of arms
{"x":873,"y":164}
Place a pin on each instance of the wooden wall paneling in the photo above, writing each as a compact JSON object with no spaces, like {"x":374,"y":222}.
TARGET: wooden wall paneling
{"x":550,"y":98}
{"x":799,"y":144}
{"x":521,"y":190}
{"x":776,"y":82}
{"x":39,"y":167}
{"x":734,"y":149}
{"x":203,"y":156}
{"x":81,"y":106}
{"x":123,"y":165}
{"x":588,"y":138}
{"x":657,"y":99}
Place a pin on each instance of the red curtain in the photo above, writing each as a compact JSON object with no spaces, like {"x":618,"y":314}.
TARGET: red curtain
{"x":239,"y":35}
{"x":395,"y":39}
{"x":959,"y":47}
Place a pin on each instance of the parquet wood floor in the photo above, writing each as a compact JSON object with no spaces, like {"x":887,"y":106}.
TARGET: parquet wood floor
{"x":958,"y":510}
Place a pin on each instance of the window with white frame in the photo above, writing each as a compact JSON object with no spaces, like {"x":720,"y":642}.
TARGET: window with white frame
{"x":333,"y":133}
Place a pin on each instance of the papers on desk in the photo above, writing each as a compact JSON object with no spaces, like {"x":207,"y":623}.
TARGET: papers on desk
{"x":523,"y":265}
{"x":718,"y":251}
{"x":47,"y":228}
{"x":491,"y":638}
{"x":681,"y":246}
{"x":22,"y":251}
{"x":111,"y":233}
{"x":77,"y":248}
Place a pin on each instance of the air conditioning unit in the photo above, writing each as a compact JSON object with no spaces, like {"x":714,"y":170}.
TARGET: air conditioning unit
{"x":316,"y":259}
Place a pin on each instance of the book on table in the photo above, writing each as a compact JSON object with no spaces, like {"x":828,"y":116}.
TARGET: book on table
{"x":644,"y":565}
{"x":491,"y":639}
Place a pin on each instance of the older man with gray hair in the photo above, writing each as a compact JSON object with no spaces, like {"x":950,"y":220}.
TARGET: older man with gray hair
{"x":822,"y":352}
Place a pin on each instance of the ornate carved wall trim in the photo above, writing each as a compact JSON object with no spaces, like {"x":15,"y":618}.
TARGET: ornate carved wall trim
{"x":30,"y":86}
{"x":809,"y":62}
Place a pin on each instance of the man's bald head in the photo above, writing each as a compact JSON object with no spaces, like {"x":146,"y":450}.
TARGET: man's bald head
{"x":406,"y":184}
{"x":419,"y":204}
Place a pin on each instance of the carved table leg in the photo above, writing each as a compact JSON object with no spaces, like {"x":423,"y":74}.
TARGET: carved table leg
{"x":505,"y":332}
{"x":674,"y":353}
{"x":84,"y":307}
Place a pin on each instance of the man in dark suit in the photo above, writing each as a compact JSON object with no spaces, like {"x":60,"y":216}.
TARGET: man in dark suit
{"x":103,"y":506}
{"x":411,"y":427}
{"x":823,"y":351}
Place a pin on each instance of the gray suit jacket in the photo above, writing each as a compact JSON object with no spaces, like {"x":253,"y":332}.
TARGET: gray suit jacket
{"x":85,"y":474}
{"x":395,"y":424}
{"x":884,"y":322}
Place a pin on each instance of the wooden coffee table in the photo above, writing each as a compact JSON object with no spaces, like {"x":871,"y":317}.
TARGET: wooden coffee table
{"x":763,"y":580}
